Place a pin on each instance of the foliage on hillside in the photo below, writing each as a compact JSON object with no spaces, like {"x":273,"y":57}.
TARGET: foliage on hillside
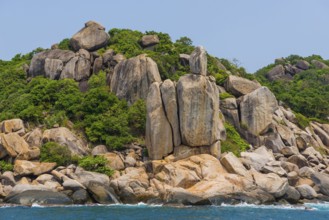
{"x":234,"y":142}
{"x":307,"y":93}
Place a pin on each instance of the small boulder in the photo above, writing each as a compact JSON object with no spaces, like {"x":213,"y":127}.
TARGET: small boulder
{"x":299,"y":160}
{"x":12,"y":125}
{"x":319,"y":64}
{"x":239,"y":86}
{"x":303,"y":65}
{"x":149,"y":40}
{"x":233,"y":165}
{"x":292,"y":195}
{"x":24,"y":167}
{"x":114,"y":161}
{"x":277,"y":72}
{"x":306,"y":191}
{"x":99,"y":149}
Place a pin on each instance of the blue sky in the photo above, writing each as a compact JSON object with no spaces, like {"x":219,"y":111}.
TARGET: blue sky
{"x":253,"y":31}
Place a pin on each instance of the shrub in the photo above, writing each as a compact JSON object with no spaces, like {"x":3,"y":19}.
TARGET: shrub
{"x":302,"y":121}
{"x":5,"y":166}
{"x":233,"y":143}
{"x":96,"y":164}
{"x":225,"y":95}
{"x":53,"y":152}
{"x":65,"y":44}
{"x":137,"y":117}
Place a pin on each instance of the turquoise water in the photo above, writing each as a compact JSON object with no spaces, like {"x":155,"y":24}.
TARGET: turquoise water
{"x":239,"y":212}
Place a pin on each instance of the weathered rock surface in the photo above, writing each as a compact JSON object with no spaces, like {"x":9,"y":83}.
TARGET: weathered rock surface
{"x":24,"y":167}
{"x":198,"y":110}
{"x":37,"y":66}
{"x":159,"y":136}
{"x":306,"y":191}
{"x":114,"y":161}
{"x":239,"y":86}
{"x":276,"y":73}
{"x":149,"y":40}
{"x":13,"y":125}
{"x":53,"y":68}
{"x":92,"y":37}
{"x":257,"y":110}
{"x":233,"y":165}
{"x":65,"y":137}
{"x":302,"y":64}
{"x":319,"y":64}
{"x":133,"y":77}
{"x":321,"y":181}
{"x":168,"y":95}
{"x":30,"y":197}
{"x":13,"y":144}
{"x":198,"y":61}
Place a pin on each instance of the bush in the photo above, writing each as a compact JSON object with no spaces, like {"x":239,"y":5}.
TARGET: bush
{"x":233,"y":143}
{"x":302,"y":121}
{"x":137,"y":117}
{"x":96,"y":164}
{"x":225,"y":95}
{"x":53,"y":152}
{"x":5,"y":166}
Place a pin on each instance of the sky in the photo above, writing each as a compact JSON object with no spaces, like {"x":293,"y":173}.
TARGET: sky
{"x":254,"y":32}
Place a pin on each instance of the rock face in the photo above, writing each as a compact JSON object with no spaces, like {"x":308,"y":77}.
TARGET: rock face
{"x":132,"y":78}
{"x":159,"y":139}
{"x":24,"y":167}
{"x":13,"y":125}
{"x":257,"y":109}
{"x":65,"y":137}
{"x":198,"y":61}
{"x":198,"y":110}
{"x":92,"y":37}
{"x":187,"y":114}
{"x":169,"y":98}
{"x":239,"y":86}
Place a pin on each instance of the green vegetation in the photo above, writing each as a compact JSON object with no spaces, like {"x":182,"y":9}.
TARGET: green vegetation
{"x":5,"y":166}
{"x":234,"y":142}
{"x":225,"y":95}
{"x":64,"y":44}
{"x":307,"y":93}
{"x":96,"y":164}
{"x":302,"y":121}
{"x":53,"y":152}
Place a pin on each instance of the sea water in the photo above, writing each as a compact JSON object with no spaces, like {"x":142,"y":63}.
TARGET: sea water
{"x":142,"y":211}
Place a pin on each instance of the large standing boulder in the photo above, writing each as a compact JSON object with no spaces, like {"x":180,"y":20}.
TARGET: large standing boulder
{"x":92,"y":37}
{"x":159,"y":137}
{"x":24,"y":167}
{"x":169,"y":99}
{"x":198,"y":61}
{"x":239,"y":86}
{"x":132,"y":78}
{"x":65,"y":137}
{"x":303,"y":65}
{"x":257,"y":110}
{"x":198,"y":110}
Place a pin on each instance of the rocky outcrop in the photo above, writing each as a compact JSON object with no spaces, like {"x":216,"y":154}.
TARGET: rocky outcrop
{"x":24,"y":167}
{"x":239,"y":86}
{"x":319,"y":64}
{"x":92,"y":37}
{"x":65,"y":137}
{"x":132,"y":78}
{"x":256,"y":109}
{"x":13,"y":126}
{"x":186,"y":114}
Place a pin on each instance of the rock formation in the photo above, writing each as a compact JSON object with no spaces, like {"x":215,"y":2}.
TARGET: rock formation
{"x":132,"y":78}
{"x":187,"y":113}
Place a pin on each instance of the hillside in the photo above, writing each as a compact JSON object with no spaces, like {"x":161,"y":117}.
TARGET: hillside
{"x":301,"y":83}
{"x":125,"y":116}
